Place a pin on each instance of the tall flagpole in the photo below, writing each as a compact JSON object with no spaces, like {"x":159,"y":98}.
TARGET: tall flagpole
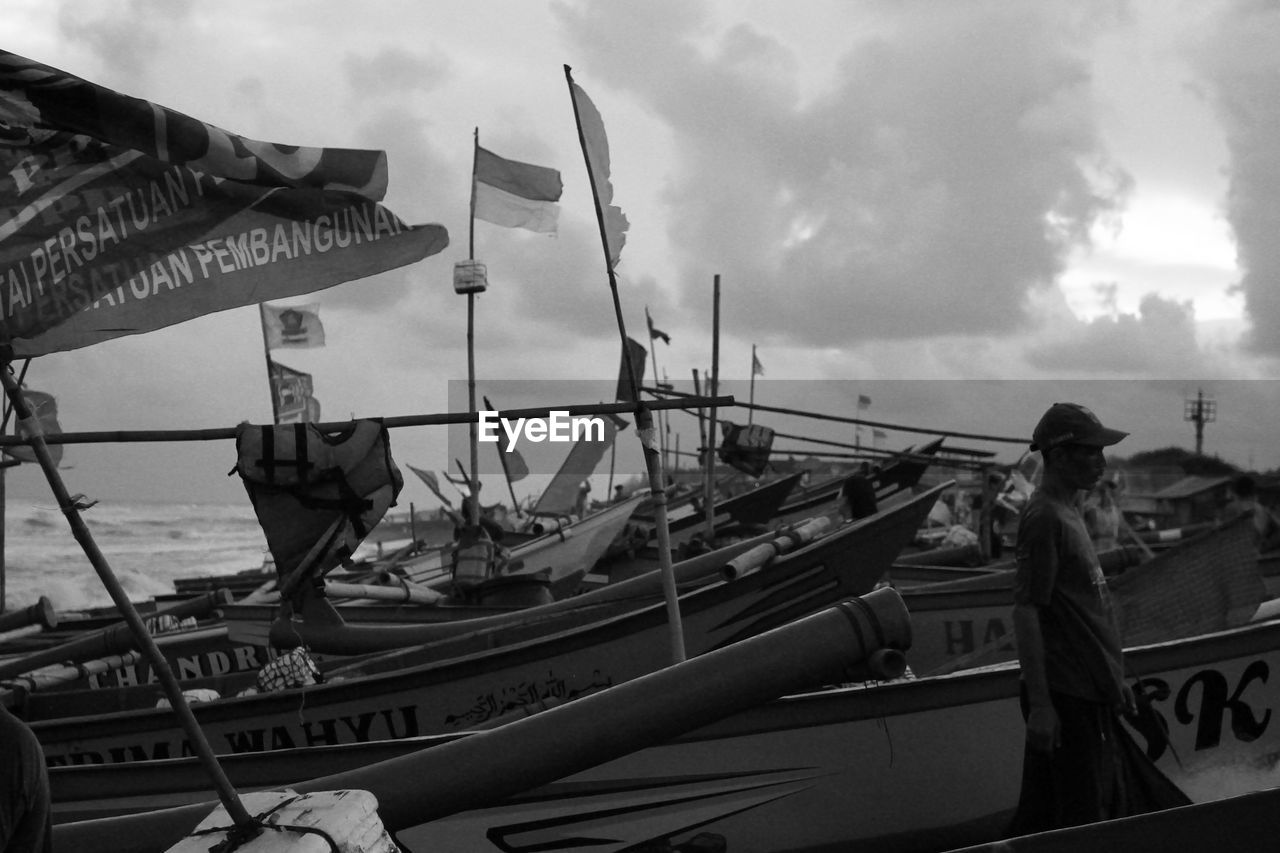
{"x":506,"y":472}
{"x":473,"y":512}
{"x":751,"y":400}
{"x":266,"y":351}
{"x":657,"y":383}
{"x":644,"y":416}
{"x":713,"y":386}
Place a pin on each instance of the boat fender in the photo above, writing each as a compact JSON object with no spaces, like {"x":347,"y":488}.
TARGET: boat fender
{"x":316,"y":822}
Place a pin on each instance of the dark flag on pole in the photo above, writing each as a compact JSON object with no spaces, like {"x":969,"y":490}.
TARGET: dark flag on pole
{"x":123,"y":216}
{"x":655,"y":333}
{"x":629,"y":390}
{"x":433,"y":484}
{"x":293,"y":393}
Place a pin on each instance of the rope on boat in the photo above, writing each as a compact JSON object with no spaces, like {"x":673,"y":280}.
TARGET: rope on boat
{"x":238,"y":836}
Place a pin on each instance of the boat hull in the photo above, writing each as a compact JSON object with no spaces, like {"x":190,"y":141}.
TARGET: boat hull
{"x":1209,"y":582}
{"x":841,"y":642}
{"x":915,"y":765}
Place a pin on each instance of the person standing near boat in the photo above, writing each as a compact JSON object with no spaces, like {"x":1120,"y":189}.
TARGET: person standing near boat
{"x":1079,"y":764}
{"x":1102,"y":513}
{"x":26,"y":818}
{"x":1244,"y":501}
{"x":858,"y":495}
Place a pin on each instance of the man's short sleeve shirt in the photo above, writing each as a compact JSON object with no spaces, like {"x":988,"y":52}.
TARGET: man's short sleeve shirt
{"x":1058,"y":572}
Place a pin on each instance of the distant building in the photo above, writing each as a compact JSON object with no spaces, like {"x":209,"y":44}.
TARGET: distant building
{"x":1189,"y":500}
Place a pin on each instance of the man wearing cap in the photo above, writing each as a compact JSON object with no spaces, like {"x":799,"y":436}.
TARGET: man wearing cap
{"x":1079,"y":764}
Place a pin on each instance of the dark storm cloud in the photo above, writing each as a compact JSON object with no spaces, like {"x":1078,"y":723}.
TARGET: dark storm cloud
{"x":425,"y":185}
{"x":1238,"y":59}
{"x":1158,"y":340}
{"x":947,"y":170}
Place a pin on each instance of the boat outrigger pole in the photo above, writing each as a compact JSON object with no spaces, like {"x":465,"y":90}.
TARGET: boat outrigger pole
{"x":29,"y":428}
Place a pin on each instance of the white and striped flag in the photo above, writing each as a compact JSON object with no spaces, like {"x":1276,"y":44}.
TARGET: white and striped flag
{"x":514,"y":194}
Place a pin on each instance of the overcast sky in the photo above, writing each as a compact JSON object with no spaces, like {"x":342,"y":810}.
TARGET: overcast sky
{"x":888,"y":190}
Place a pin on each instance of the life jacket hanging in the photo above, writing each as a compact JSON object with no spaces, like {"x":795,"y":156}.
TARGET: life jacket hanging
{"x":306,"y":484}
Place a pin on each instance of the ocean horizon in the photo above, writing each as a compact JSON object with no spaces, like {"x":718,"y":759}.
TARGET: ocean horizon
{"x":147,"y":544}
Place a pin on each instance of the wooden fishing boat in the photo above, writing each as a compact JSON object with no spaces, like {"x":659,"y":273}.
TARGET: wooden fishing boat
{"x":894,"y":483}
{"x":1205,"y":583}
{"x":393,"y":696}
{"x":897,"y":477}
{"x":913,"y":765}
{"x":567,"y":549}
{"x":349,"y":630}
{"x":753,"y":507}
{"x":856,"y":639}
{"x":240,"y":642}
{"x":408,"y":526}
{"x":1241,"y":822}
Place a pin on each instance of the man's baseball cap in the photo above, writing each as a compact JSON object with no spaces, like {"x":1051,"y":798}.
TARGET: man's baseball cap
{"x":1071,"y":423}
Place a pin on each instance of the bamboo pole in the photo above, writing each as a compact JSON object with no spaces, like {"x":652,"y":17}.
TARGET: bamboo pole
{"x":266,"y":352}
{"x":645,"y":429}
{"x":471,"y":509}
{"x":222,"y":433}
{"x":657,"y":383}
{"x":30,"y":428}
{"x":702,"y":417}
{"x":713,"y":382}
{"x":5,"y":464}
{"x":506,"y":471}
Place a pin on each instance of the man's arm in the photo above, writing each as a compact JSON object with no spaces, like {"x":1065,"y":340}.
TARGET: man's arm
{"x":1042,"y":720}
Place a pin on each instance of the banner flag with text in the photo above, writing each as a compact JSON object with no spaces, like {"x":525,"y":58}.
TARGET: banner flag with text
{"x":121,"y":216}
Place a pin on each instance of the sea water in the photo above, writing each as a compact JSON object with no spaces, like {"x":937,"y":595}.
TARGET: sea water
{"x":147,"y":546}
